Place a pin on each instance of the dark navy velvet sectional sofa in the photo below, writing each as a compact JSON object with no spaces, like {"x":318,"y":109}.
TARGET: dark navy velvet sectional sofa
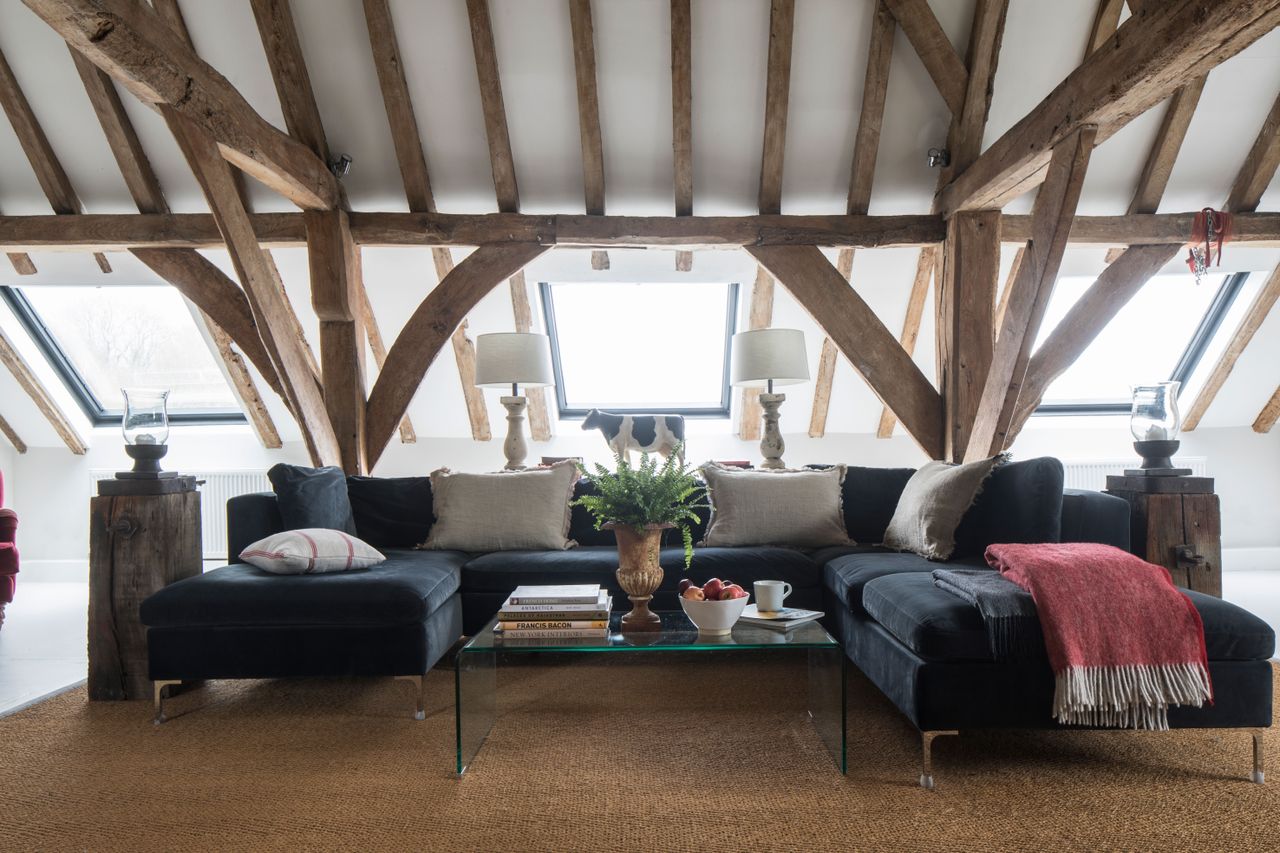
{"x":925,"y":649}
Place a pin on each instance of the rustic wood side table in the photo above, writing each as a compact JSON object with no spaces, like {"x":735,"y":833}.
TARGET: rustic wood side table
{"x":143,"y":535}
{"x":1175,"y":522}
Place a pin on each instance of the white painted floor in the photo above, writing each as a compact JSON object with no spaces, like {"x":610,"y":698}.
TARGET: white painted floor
{"x":42,"y":643}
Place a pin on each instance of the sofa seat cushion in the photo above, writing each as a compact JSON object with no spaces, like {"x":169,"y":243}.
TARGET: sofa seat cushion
{"x":503,"y":571}
{"x":408,"y":587}
{"x":939,"y":626}
{"x":847,"y":574}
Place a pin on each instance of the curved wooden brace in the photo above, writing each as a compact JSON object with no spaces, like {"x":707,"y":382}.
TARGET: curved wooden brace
{"x":198,"y":279}
{"x":872,"y":350}
{"x":430,"y":328}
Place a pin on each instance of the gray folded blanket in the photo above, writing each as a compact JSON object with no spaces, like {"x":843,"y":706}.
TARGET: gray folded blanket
{"x":1008,"y":611}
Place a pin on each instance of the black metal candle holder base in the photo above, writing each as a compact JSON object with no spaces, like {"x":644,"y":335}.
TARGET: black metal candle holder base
{"x":1157,"y":459}
{"x":146,"y":462}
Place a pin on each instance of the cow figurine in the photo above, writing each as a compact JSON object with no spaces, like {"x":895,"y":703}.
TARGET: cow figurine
{"x":645,"y":433}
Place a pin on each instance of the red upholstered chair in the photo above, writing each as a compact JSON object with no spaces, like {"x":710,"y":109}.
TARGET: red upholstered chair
{"x":8,"y":552}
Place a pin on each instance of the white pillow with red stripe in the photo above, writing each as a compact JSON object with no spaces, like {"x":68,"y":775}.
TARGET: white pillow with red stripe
{"x":312,"y":551}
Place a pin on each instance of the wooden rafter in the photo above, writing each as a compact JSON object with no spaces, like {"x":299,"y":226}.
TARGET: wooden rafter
{"x":11,"y":435}
{"x":140,"y":51}
{"x":777,"y":96}
{"x":379,"y":348}
{"x":584,"y":70}
{"x":847,"y":319}
{"x":1252,"y":320}
{"x":822,"y":384}
{"x":934,"y":48}
{"x":44,"y":162}
{"x":682,"y":116}
{"x":1269,"y":415}
{"x":759,"y":316}
{"x":12,"y":360}
{"x":264,"y":290}
{"x":1149,"y":56}
{"x":426,"y":330}
{"x":289,"y":73}
{"x":539,"y":418}
{"x":1105,"y":22}
{"x":1259,"y":166}
{"x":414,"y":174}
{"x":964,"y":141}
{"x":501,"y":161}
{"x":1054,"y":206}
{"x":197,"y":278}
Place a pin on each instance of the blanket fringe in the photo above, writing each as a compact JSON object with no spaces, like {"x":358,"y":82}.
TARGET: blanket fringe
{"x":1135,"y":697}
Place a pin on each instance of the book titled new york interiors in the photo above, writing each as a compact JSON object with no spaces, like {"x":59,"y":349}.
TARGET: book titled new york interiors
{"x":582,"y":593}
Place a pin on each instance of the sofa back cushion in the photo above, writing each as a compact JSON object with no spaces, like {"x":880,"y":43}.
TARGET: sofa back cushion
{"x":312,"y":497}
{"x":1020,"y":502}
{"x":391,"y":512}
{"x":870,"y":496}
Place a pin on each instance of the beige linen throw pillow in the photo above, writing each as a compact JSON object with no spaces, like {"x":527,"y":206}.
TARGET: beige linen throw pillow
{"x":932,"y":505}
{"x":797,"y":508}
{"x":506,"y":511}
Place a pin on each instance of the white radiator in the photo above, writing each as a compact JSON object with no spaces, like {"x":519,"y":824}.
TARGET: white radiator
{"x":218,"y":487}
{"x":1092,"y":473}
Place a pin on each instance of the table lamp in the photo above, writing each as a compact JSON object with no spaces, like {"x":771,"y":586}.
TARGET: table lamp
{"x":763,"y":358}
{"x":514,"y":359}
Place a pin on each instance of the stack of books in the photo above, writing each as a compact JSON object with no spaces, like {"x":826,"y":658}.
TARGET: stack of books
{"x":555,"y":612}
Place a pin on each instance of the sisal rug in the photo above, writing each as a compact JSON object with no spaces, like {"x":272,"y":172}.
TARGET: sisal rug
{"x":692,"y":755}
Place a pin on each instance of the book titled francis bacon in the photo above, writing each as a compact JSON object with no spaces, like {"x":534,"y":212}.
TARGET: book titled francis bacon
{"x":553,"y":624}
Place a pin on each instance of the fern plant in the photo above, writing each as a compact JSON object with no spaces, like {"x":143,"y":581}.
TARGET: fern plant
{"x":647,"y":495}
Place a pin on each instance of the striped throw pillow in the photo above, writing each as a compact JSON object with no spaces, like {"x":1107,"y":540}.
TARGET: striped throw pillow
{"x":313,"y":551}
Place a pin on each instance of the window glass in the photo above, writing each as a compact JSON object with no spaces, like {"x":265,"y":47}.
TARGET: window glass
{"x":654,"y":347}
{"x":127,"y":336}
{"x":1142,"y":343}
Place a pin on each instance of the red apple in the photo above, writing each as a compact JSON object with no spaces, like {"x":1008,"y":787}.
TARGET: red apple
{"x":693,"y":593}
{"x":711,"y":589}
{"x":684,"y":584}
{"x":731,"y":592}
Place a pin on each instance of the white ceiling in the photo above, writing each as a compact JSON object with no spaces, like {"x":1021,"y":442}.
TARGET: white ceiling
{"x":1043,"y":42}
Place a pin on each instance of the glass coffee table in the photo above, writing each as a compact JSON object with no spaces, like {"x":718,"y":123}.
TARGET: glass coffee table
{"x":477,"y":670}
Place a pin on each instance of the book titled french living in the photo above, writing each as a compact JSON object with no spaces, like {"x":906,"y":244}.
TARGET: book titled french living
{"x":582,"y":593}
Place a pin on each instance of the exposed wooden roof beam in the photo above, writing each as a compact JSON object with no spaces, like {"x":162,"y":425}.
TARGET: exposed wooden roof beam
{"x":847,"y":319}
{"x":1259,"y":166}
{"x":44,"y":162}
{"x":239,"y":379}
{"x":426,"y":330}
{"x":501,"y":161}
{"x":1252,"y":320}
{"x":539,"y":418}
{"x":289,"y":73}
{"x":1105,"y":22}
{"x":264,"y":290}
{"x":1150,"y":55}
{"x":866,"y":145}
{"x":936,"y":51}
{"x":12,"y":436}
{"x":759,"y":316}
{"x":1269,"y":415}
{"x":139,"y":50}
{"x":1054,"y":206}
{"x":682,"y":116}
{"x":584,"y":69}
{"x":379,"y":349}
{"x":964,"y":141}
{"x":35,"y":389}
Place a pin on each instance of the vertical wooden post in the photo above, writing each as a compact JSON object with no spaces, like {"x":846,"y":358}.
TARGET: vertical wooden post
{"x":966,"y":303}
{"x":336,"y":299}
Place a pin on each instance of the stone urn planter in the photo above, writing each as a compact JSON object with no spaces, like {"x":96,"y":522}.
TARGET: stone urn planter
{"x":639,"y":573}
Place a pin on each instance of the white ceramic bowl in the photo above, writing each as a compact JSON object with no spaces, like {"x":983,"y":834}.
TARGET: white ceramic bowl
{"x":714,"y":617}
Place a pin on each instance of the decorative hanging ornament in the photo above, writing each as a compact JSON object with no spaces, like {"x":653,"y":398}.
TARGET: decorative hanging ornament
{"x":1210,"y":227}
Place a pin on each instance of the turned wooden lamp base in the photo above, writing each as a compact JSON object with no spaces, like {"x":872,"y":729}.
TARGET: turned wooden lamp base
{"x":771,"y":443}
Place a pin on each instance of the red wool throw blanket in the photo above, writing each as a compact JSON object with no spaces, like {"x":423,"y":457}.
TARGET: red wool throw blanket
{"x":1123,"y":642}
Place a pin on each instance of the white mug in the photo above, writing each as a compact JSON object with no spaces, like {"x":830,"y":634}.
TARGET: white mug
{"x":771,"y":594}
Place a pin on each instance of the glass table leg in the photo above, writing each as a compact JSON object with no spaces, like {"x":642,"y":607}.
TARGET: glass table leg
{"x":476,"y":702}
{"x":827,"y":699}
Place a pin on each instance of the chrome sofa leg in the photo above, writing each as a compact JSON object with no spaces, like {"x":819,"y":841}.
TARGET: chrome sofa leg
{"x":1259,"y":774}
{"x":420,"y":688}
{"x":159,"y":687}
{"x":926,"y":767}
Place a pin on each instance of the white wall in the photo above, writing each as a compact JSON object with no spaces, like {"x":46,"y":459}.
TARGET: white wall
{"x":50,"y":488}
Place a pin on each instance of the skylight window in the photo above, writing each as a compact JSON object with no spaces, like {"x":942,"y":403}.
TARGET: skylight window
{"x":651,"y":347}
{"x":1161,"y":333}
{"x":101,"y":339}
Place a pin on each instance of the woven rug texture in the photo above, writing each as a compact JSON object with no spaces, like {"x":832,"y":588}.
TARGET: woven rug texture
{"x":684,"y":755}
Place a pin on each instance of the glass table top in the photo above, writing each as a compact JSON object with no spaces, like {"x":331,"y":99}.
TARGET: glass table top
{"x":677,"y":634}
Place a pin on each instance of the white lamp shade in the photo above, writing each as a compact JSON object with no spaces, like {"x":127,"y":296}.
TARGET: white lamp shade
{"x":508,"y":358}
{"x":764,"y":354}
